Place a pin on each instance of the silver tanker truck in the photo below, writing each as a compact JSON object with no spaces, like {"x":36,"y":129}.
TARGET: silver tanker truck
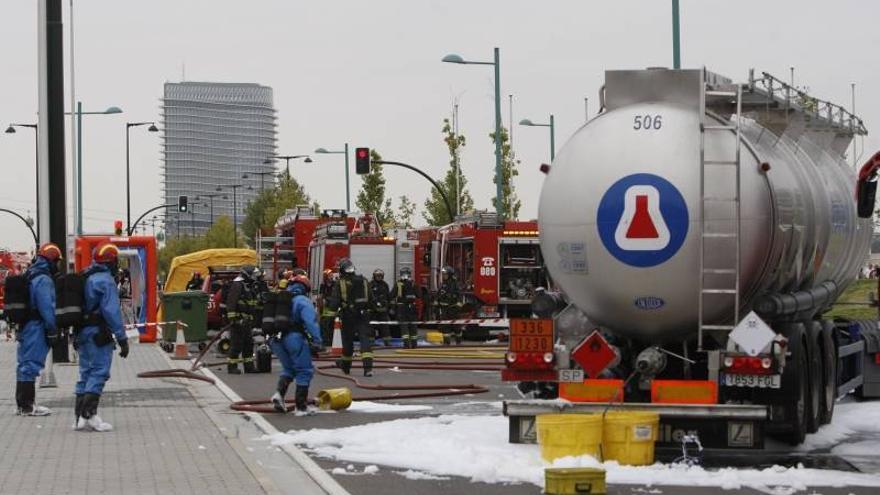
{"x":696,"y":230}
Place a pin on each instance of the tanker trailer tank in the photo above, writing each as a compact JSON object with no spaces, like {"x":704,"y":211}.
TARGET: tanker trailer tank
{"x":690,"y":198}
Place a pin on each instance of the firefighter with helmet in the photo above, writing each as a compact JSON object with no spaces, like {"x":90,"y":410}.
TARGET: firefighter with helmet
{"x":295,"y":347}
{"x":404,"y":296}
{"x":196,"y":282}
{"x":380,"y":297}
{"x":39,"y":334}
{"x":449,"y":304}
{"x":328,"y":314}
{"x":351,"y":301}
{"x":241,"y":309}
{"x":103,"y":323}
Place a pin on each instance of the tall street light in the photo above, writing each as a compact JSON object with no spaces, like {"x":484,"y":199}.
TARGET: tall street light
{"x":234,"y":188}
{"x":11,"y":130}
{"x":211,"y":197}
{"x":129,"y":125}
{"x":457,"y":59}
{"x":529,"y":123}
{"x":261,"y":174}
{"x":324,"y":151}
{"x":287,"y":159}
{"x":78,"y":175}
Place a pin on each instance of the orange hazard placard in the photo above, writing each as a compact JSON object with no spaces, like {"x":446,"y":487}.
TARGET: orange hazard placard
{"x":529,"y":335}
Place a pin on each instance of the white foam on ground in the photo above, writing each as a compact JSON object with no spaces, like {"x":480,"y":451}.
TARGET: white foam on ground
{"x":365,"y":406}
{"x":476,"y":447}
{"x":850,"y":419}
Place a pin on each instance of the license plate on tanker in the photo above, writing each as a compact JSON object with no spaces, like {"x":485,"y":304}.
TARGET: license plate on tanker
{"x":528,"y":335}
{"x":756,"y":381}
{"x":571,"y":376}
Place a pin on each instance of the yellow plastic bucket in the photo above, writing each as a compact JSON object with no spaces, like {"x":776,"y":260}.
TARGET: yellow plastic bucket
{"x":561,"y":435}
{"x":434,"y":337}
{"x":334,"y":398}
{"x":628,"y":437}
{"x":574,"y":481}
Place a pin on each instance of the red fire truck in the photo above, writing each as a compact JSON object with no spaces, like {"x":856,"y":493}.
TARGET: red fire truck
{"x":357,"y":237}
{"x":289,"y":247}
{"x":10,"y":265}
{"x":498,"y":263}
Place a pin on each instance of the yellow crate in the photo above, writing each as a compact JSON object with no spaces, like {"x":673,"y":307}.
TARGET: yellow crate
{"x":574,"y":481}
{"x":434,"y":337}
{"x":629,"y":436}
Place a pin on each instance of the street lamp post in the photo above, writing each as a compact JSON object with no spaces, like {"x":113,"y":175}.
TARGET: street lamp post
{"x":529,"y":123}
{"x":78,"y":175}
{"x":129,"y":125}
{"x":11,"y":130}
{"x":457,"y":59}
{"x":211,"y":198}
{"x":287,"y":159}
{"x":347,"y":188}
{"x":234,"y":210}
{"x":261,"y":174}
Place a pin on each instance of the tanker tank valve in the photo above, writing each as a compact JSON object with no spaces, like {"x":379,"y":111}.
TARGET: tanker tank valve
{"x":650,"y":362}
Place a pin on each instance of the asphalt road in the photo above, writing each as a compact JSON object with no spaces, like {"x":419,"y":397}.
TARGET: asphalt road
{"x":388,"y":480}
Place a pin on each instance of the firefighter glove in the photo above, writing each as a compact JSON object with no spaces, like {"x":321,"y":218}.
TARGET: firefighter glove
{"x":123,"y":348}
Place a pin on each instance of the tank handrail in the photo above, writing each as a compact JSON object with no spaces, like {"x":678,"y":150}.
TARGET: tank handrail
{"x":809,"y":104}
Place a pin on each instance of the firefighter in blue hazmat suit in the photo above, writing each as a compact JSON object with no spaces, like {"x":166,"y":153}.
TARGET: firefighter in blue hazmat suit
{"x":95,"y":341}
{"x":295,"y":346}
{"x":39,"y":333}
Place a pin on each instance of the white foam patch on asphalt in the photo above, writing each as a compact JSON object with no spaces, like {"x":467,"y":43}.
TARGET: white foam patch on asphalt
{"x":419,"y":475}
{"x":476,"y":447}
{"x":850,"y":419}
{"x":365,"y":406}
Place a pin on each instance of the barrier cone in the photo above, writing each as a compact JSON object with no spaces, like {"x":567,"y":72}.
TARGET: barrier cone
{"x":181,"y":348}
{"x":336,"y":347}
{"x":47,"y":377}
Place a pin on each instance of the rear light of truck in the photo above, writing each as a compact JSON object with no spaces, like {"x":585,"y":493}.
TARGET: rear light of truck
{"x":529,"y":360}
{"x":749,"y":365}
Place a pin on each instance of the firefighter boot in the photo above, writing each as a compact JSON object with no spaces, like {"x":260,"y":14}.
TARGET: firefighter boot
{"x":278,"y":398}
{"x":90,"y":413}
{"x":77,"y":410}
{"x":344,"y":365}
{"x":249,"y":366}
{"x":368,"y":367}
{"x":25,"y":395}
{"x":301,"y":398}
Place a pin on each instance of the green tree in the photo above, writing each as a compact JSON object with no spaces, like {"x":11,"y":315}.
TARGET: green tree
{"x":406,"y":210}
{"x":511,"y":205}
{"x":175,"y":247}
{"x":435,"y":209}
{"x":262,"y":213}
{"x":371,"y":198}
{"x":220,"y":235}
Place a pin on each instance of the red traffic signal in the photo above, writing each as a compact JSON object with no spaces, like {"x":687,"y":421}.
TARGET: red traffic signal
{"x":117,"y":227}
{"x":362,"y":160}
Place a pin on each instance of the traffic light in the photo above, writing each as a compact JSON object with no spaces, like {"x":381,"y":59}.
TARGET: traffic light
{"x":117,"y":227}
{"x":362,"y":160}
{"x":182,"y":204}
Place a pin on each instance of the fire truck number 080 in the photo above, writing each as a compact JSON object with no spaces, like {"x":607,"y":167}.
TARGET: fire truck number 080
{"x":487,"y":271}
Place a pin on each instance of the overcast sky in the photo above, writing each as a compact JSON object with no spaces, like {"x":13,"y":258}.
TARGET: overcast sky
{"x":369,"y":73}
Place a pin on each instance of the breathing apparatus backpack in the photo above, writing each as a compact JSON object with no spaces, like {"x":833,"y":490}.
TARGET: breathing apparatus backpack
{"x":283,"y":306}
{"x":70,"y":297}
{"x":17,"y":298}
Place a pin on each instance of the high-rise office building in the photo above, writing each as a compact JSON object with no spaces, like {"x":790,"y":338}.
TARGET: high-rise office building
{"x":214,"y":135}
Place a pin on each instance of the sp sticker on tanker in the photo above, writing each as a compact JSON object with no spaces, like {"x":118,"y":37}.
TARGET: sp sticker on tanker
{"x":642,"y":220}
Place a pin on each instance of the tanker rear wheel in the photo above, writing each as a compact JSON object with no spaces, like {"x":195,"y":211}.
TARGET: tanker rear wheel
{"x":816,"y":382}
{"x":797,"y":412}
{"x":829,"y":374}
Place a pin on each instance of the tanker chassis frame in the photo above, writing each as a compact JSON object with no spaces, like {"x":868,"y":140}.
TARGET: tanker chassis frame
{"x":727,"y":391}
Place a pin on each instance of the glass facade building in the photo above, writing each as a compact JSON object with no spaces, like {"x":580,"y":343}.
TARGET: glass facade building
{"x":213,"y":134}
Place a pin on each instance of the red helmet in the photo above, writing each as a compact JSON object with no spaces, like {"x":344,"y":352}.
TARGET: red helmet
{"x":301,"y":279}
{"x":106,"y":252}
{"x":50,"y":251}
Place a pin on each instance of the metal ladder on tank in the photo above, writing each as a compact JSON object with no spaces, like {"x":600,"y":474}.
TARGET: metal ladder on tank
{"x":725,"y":239}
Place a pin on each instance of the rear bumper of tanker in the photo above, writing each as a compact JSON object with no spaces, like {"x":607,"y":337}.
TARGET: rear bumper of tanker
{"x":718,"y":426}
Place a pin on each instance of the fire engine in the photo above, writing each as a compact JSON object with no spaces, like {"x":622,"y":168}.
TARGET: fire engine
{"x":289,"y":248}
{"x":498,"y":263}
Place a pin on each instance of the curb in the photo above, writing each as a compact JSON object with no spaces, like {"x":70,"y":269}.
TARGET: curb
{"x":311,"y":468}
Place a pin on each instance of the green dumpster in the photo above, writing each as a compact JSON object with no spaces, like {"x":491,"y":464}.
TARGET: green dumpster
{"x":190,"y":307}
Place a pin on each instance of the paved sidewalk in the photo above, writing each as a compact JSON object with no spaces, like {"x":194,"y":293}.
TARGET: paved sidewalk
{"x":163,"y":441}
